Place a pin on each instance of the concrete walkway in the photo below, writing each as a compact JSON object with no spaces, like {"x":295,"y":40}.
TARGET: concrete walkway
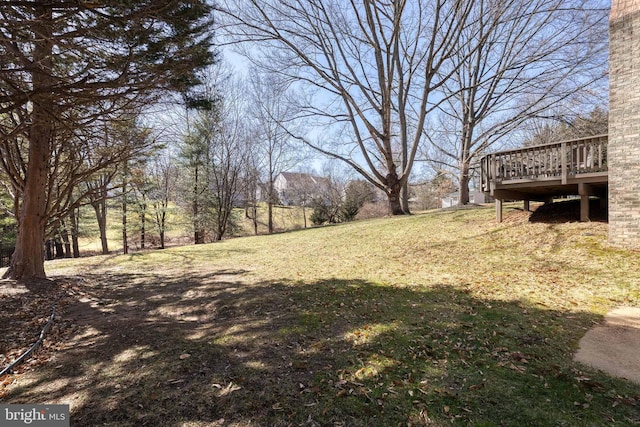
{"x":614,"y":346}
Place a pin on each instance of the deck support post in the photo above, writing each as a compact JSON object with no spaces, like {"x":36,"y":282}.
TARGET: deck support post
{"x":584,"y":190}
{"x":584,"y":208}
{"x":499,"y":210}
{"x":527,"y":206}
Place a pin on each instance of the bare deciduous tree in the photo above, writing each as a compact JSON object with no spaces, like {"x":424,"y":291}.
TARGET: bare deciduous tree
{"x":271,"y":111}
{"x":164,"y":176}
{"x":369,"y":70}
{"x":557,"y":127}
{"x":515,"y":61}
{"x":215,"y":152}
{"x":106,"y":151}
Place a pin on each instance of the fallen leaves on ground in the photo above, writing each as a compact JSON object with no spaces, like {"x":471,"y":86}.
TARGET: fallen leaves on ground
{"x":23,"y":314}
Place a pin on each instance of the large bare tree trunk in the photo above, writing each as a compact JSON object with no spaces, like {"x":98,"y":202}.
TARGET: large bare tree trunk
{"x":27,"y":261}
{"x":28,"y":258}
{"x":394,"y":195}
{"x":465,"y":155}
{"x":463,"y":194}
{"x":405,"y":199}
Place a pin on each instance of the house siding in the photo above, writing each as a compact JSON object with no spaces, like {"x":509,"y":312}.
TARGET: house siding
{"x":296,"y":188}
{"x":475,"y":197}
{"x":624,"y":124}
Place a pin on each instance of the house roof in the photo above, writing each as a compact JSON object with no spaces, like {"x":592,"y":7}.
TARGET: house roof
{"x":295,"y":179}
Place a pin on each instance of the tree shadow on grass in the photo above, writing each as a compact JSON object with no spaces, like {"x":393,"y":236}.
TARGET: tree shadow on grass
{"x":213,"y":349}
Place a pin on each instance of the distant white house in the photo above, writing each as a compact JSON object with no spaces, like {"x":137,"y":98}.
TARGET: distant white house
{"x":299,"y":189}
{"x":451,"y":199}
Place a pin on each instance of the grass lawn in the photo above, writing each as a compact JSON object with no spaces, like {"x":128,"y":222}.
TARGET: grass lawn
{"x":179,"y":230}
{"x":434,"y":319}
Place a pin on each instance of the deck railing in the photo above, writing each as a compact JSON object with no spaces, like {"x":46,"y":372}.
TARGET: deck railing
{"x":556,"y":161}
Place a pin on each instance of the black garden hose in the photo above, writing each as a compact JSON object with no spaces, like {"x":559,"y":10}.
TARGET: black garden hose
{"x":35,"y":345}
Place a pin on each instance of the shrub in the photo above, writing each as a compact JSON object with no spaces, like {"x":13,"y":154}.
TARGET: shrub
{"x":349,"y":210}
{"x":320,"y":214}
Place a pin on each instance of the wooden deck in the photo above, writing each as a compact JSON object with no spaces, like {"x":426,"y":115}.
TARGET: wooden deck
{"x":539,"y":173}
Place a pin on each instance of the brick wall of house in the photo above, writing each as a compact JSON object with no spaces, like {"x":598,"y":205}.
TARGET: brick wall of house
{"x":624,"y":124}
